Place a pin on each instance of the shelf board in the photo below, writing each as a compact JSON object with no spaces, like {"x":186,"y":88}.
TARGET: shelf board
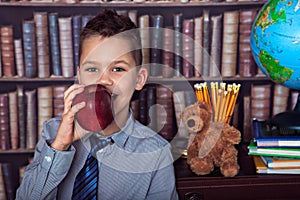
{"x":17,"y":151}
{"x":150,"y":79}
{"x":132,"y":4}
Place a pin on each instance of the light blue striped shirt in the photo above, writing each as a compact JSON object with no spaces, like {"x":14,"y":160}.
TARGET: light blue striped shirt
{"x":137,"y":165}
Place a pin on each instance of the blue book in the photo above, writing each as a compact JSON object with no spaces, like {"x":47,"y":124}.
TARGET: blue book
{"x":266,"y":135}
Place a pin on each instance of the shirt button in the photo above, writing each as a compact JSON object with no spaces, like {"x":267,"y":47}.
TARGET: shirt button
{"x":48,"y":158}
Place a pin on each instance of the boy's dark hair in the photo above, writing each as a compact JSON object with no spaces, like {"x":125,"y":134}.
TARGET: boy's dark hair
{"x":109,"y":23}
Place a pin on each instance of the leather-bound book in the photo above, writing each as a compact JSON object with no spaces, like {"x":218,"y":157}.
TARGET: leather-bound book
{"x":144,"y":23}
{"x":2,"y":185}
{"x":230,"y":43}
{"x":45,"y":106}
{"x":42,"y":43}
{"x":19,"y":59}
{"x":76,"y":25}
{"x":247,"y":66}
{"x":177,"y":24}
{"x":31,"y":121}
{"x":58,"y":99}
{"x":198,"y":37}
{"x":4,"y":122}
{"x":0,"y":63}
{"x":143,"y":106}
{"x":247,"y":128}
{"x":7,"y":51}
{"x":29,"y":48}
{"x":13,"y":119}
{"x":188,"y":48}
{"x":54,"y":44}
{"x":206,"y":43}
{"x":168,"y":55}
{"x":280,"y":99}
{"x":151,"y":109}
{"x":260,"y":101}
{"x":66,"y":46}
{"x":156,"y":45}
{"x":215,"y":48}
{"x":179,"y":105}
{"x":165,"y":111}
{"x":9,"y":177}
{"x":21,"y":116}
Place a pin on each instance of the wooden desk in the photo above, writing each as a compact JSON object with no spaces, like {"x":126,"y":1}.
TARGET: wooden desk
{"x":246,"y":185}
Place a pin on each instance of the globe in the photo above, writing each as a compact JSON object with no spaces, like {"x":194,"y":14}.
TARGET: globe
{"x":275,"y":45}
{"x":275,"y":41}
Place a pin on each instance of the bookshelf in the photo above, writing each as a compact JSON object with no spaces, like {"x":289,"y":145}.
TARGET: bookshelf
{"x":186,"y":181}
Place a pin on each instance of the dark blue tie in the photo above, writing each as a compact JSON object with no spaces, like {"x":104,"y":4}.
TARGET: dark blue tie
{"x":85,"y":186}
{"x":86,"y":182}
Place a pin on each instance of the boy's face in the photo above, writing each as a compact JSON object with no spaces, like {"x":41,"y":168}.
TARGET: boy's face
{"x":108,"y":61}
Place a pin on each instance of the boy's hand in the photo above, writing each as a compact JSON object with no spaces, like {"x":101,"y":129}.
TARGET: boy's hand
{"x":66,"y":133}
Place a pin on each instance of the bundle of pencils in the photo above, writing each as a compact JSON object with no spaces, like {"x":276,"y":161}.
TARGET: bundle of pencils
{"x":221,"y":98}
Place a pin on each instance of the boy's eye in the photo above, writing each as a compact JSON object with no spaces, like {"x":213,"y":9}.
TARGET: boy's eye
{"x":118,"y":69}
{"x":92,"y":69}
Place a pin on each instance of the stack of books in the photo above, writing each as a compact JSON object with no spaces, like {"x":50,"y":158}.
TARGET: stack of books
{"x":274,"y":151}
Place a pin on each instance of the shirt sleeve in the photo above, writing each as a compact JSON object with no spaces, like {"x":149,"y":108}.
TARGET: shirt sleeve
{"x":47,"y":170}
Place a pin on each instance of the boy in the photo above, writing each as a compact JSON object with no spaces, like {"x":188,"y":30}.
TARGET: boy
{"x":136,"y":163}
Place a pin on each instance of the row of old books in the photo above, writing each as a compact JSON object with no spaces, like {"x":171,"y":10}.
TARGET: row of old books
{"x":265,"y":101}
{"x":23,"y":112}
{"x":274,"y":151}
{"x":208,"y":45}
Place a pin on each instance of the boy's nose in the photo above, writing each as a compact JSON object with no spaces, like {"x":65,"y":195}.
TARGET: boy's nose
{"x":105,"y":79}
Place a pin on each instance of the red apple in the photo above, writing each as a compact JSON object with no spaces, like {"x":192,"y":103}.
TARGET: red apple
{"x":97,"y":114}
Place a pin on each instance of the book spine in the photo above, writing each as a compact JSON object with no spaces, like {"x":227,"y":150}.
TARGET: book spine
{"x":21,"y":117}
{"x":188,"y":47}
{"x":168,"y":55}
{"x":165,"y":115}
{"x":76,"y":27}
{"x":143,"y":106}
{"x":247,"y":66}
{"x":215,"y":49}
{"x":54,"y":44}
{"x":42,"y":43}
{"x":230,"y":43}
{"x":29,"y":45}
{"x":31,"y":122}
{"x":198,"y":37}
{"x":45,"y":106}
{"x":280,"y":99}
{"x":58,"y":99}
{"x":7,"y":51}
{"x":144,"y":23}
{"x":260,"y":101}
{"x":177,"y":24}
{"x":156,"y":42}
{"x":206,"y":43}
{"x":13,"y":119}
{"x":66,"y":46}
{"x":20,"y":68}
{"x":4,"y":122}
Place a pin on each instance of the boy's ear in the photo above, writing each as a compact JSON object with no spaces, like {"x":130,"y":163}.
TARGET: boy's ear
{"x":141,"y":78}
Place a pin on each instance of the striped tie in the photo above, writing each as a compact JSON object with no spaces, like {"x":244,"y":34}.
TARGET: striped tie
{"x":86,"y":182}
{"x":85,"y":186}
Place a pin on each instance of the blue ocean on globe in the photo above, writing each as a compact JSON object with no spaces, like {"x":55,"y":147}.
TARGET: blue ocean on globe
{"x":275,"y":41}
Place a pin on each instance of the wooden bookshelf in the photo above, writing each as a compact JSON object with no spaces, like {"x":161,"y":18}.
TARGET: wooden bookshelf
{"x":247,"y":185}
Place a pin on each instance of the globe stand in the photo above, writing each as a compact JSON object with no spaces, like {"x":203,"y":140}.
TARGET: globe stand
{"x":289,"y":121}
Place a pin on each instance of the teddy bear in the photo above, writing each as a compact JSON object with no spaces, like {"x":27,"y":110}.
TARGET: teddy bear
{"x":211,"y":144}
